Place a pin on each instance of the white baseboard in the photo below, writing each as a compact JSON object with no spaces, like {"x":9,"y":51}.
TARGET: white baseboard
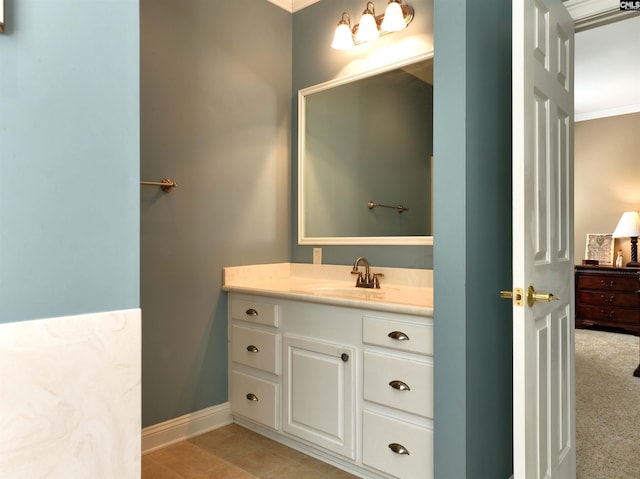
{"x":183,"y":427}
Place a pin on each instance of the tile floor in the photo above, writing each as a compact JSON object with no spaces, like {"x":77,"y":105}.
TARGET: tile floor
{"x":233,"y":452}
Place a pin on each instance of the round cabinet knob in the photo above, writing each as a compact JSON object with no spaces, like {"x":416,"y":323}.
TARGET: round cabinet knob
{"x":398,"y":448}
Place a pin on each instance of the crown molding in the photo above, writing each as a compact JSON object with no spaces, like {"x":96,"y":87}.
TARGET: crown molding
{"x":293,"y":5}
{"x":594,"y":13}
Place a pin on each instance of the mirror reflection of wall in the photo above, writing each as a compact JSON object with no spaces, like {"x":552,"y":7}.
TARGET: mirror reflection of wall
{"x":370,"y":140}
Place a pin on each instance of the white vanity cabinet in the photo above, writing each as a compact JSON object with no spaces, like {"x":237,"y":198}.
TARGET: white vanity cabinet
{"x":350,"y":386}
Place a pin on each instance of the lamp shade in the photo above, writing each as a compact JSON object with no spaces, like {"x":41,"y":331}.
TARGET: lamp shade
{"x":628,"y":226}
{"x":368,"y":28}
{"x":393,"y":18}
{"x":343,"y":38}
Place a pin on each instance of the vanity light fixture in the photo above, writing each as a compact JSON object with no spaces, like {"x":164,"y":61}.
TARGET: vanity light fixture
{"x":629,"y":227}
{"x":395,"y":18}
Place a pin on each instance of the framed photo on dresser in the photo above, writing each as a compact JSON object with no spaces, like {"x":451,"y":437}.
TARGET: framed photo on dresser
{"x":599,"y":246}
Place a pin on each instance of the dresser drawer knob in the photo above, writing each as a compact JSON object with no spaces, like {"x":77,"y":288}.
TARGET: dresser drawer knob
{"x":607,"y":283}
{"x":610,"y":299}
{"x":398,"y":335}
{"x":610,"y":314}
{"x":251,"y":312}
{"x":399,"y":385}
{"x":398,"y":448}
{"x":252,"y":397}
{"x":252,"y":349}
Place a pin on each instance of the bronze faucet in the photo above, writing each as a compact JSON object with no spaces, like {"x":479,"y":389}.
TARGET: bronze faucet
{"x":368,"y":280}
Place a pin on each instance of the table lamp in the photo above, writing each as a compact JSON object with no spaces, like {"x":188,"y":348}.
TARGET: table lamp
{"x":629,"y":227}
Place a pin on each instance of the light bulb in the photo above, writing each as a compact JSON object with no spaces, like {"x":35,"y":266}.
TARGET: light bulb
{"x":368,"y":27}
{"x":393,"y":18}
{"x":343,"y":38}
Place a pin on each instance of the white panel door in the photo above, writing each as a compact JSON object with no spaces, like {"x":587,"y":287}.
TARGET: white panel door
{"x":543,"y":341}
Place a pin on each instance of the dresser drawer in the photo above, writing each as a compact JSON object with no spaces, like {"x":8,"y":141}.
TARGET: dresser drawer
{"x":609,"y":298}
{"x":382,"y":434}
{"x":628,"y":319}
{"x":256,"y":348}
{"x":608,"y":282}
{"x":399,"y":383}
{"x":400,"y":335}
{"x":255,"y":399}
{"x":255,"y":312}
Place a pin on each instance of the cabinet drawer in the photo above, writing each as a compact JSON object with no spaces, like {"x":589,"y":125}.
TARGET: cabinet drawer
{"x":255,"y":348}
{"x":255,"y":312}
{"x":614,"y":317}
{"x":611,"y":282}
{"x":255,"y":399}
{"x":381,"y":433}
{"x":404,"y":336}
{"x":399,"y":383}
{"x":609,"y":298}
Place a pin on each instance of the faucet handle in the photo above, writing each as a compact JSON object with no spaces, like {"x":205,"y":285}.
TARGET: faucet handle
{"x":376,"y":280}
{"x":359,"y":279}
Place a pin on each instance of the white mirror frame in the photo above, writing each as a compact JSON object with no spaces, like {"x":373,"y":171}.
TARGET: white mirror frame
{"x":303,"y":239}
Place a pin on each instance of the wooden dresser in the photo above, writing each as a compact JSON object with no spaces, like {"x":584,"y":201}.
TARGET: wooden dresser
{"x":608,"y":297}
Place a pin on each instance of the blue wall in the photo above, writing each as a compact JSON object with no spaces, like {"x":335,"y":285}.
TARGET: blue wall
{"x":472,"y":257}
{"x":69,"y":148}
{"x":215,"y":116}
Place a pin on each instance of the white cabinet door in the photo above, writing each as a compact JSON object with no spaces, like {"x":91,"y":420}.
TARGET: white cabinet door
{"x":319,"y":393}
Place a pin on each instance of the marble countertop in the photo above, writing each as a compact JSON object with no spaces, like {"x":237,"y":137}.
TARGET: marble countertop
{"x":406,"y":291}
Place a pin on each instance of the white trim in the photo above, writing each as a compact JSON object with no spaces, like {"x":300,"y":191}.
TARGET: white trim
{"x":622,"y":110}
{"x":593,"y":13}
{"x":183,"y":427}
{"x":293,"y":5}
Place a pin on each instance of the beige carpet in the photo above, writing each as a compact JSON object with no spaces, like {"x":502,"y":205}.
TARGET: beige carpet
{"x":607,"y":406}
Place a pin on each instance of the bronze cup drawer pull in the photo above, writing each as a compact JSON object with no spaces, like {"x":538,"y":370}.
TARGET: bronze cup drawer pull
{"x":399,"y":385}
{"x":251,"y":312}
{"x":398,"y":448}
{"x":252,"y":349}
{"x":252,"y":397}
{"x":398,"y":335}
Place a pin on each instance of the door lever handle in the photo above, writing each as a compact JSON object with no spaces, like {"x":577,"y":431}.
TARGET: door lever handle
{"x":533,"y":296}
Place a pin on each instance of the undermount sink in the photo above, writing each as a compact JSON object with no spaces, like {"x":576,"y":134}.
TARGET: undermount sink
{"x":350,"y":290}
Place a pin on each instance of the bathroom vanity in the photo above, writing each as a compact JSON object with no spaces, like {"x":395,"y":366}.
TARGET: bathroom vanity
{"x":344,"y":374}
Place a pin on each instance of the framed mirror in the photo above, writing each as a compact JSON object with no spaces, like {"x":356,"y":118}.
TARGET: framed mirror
{"x":365,"y":158}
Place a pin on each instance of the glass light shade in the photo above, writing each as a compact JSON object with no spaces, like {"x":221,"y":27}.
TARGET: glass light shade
{"x":393,"y":18}
{"x":367,"y":29}
{"x":343,"y":38}
{"x":628,"y":226}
